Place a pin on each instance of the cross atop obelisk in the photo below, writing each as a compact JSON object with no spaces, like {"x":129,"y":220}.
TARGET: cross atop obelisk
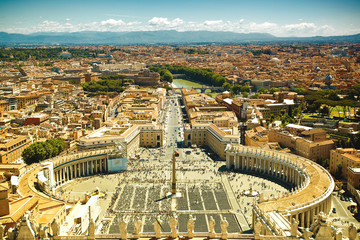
{"x":173,"y":184}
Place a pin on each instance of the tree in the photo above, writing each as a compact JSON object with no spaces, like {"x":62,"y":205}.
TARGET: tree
{"x":325,"y":111}
{"x":272,"y":90}
{"x":237,"y":88}
{"x":40,"y":151}
{"x":245,"y":89}
{"x":262,"y":91}
{"x":255,"y":96}
{"x":167,"y":76}
{"x":34,"y":153}
{"x":339,"y":170}
{"x":226,"y":86}
{"x":272,"y":118}
{"x":245,"y":94}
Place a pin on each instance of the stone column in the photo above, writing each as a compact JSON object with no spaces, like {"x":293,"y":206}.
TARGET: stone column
{"x":302,"y":224}
{"x":287,"y":173}
{"x":308,"y":218}
{"x":66,"y":174}
{"x":90,"y":167}
{"x":73,"y":174}
{"x":57,"y":178}
{"x":101,"y":165}
{"x":228,"y":164}
{"x":62,"y":175}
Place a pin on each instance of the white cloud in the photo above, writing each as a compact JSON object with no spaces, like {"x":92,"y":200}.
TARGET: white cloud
{"x":211,"y":23}
{"x":113,"y":22}
{"x":162,"y":23}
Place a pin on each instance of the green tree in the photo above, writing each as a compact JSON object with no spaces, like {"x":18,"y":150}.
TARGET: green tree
{"x":339,"y":170}
{"x":300,"y":91}
{"x":40,"y":151}
{"x":226,"y":86}
{"x":272,"y":90}
{"x":325,"y":111}
{"x":34,"y":153}
{"x":236,"y":89}
{"x":262,"y":91}
{"x":167,"y":76}
{"x":255,"y":96}
{"x":245,"y":89}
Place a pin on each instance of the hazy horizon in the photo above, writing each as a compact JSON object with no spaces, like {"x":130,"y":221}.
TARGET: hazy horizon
{"x":280,"y":18}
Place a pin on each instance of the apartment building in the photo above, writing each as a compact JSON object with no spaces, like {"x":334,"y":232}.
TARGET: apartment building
{"x":347,"y":160}
{"x":135,"y":124}
{"x":219,"y":118}
{"x":12,"y":146}
{"x":209,"y":135}
{"x":147,"y":135}
{"x":4,"y":107}
{"x":256,"y":137}
{"x":346,"y":157}
{"x":25,"y":100}
{"x":305,"y":141}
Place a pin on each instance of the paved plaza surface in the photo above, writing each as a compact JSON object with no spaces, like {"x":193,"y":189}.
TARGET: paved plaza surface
{"x":207,"y":188}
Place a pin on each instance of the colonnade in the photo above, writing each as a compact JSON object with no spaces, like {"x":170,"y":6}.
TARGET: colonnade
{"x":291,"y":169}
{"x":80,"y":168}
{"x":262,"y":164}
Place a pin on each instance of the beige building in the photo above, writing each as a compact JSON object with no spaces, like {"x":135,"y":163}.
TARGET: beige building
{"x":12,"y":146}
{"x":144,"y":135}
{"x":346,"y":157}
{"x":256,"y":137}
{"x":25,"y":100}
{"x":221,"y":119}
{"x":311,"y":143}
{"x":212,"y":136}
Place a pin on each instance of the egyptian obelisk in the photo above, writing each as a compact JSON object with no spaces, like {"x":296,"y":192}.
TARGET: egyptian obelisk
{"x":173,"y":185}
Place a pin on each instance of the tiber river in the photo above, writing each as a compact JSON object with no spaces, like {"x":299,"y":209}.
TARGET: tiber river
{"x":181,"y":83}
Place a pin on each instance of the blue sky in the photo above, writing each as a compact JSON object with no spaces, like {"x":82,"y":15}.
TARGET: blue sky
{"x":278,"y":17}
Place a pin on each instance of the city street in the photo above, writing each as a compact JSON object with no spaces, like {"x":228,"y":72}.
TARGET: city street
{"x":343,"y":217}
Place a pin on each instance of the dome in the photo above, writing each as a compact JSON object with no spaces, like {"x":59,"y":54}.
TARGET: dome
{"x":328,"y":79}
{"x":275,"y":60}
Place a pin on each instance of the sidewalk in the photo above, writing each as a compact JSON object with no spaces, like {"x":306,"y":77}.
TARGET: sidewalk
{"x":234,"y":203}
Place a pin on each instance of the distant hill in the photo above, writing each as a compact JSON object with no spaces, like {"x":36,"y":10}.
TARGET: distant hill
{"x":157,"y":37}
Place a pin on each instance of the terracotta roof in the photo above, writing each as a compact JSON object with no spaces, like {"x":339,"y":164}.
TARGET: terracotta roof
{"x":18,"y":208}
{"x":313,"y":131}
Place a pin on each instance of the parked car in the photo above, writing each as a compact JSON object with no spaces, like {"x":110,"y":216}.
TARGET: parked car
{"x":334,"y":210}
